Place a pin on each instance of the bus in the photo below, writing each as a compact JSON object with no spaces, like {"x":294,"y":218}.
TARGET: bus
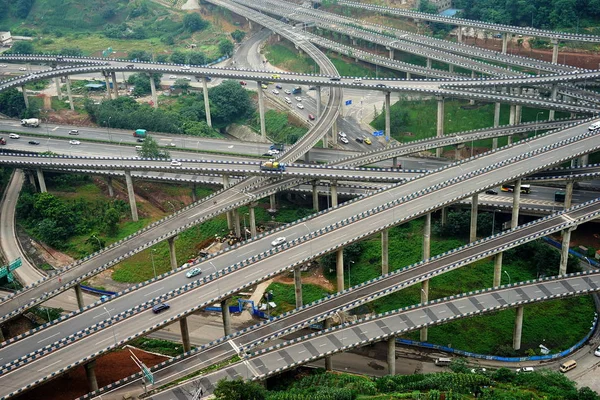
{"x":509,"y":187}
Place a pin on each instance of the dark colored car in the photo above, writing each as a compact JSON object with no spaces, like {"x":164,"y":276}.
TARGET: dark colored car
{"x":160,"y":307}
{"x":380,"y":85}
{"x":359,"y":139}
{"x":141,"y":140}
{"x":335,"y":78}
{"x":34,"y":142}
{"x":491,"y":191}
{"x":312,"y":88}
{"x":278,"y":86}
{"x":129,"y":66}
{"x":243,"y":83}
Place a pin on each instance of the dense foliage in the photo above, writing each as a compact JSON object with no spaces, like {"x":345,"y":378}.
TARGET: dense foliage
{"x":280,"y":127}
{"x":12,"y":103}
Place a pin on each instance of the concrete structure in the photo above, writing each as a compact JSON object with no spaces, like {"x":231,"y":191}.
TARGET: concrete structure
{"x":90,"y":373}
{"x":261,"y":109}
{"x":25,"y":96}
{"x":298,"y":286}
{"x":474,"y":206}
{"x":339,"y":269}
{"x":385,"y":266}
{"x":153,"y":91}
{"x":387,"y":116}
{"x":172,"y":252}
{"x":440,"y":122}
{"x":426,"y":255}
{"x":206,"y":101}
{"x":315,"y":195}
{"x":391,"y":355}
{"x":68,"y":81}
{"x":185,"y":335}
{"x":79,"y":296}
{"x":518,"y":330}
{"x":226,"y":317}
{"x":334,"y":194}
{"x":564,"y":250}
{"x":131,"y":195}
{"x":41,"y":180}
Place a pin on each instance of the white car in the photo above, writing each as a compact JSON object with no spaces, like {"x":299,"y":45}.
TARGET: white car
{"x":3,"y":65}
{"x":298,"y":98}
{"x":172,"y":144}
{"x":13,"y":136}
{"x":478,"y":370}
{"x":288,"y":91}
{"x":193,"y":272}
{"x":300,"y":106}
{"x":176,"y":163}
{"x":342,"y":134}
{"x":22,"y":69}
{"x":172,"y":77}
{"x":525,"y":369}
{"x":74,"y":142}
{"x":273,"y":152}
{"x":187,"y":78}
{"x":597,"y":352}
{"x":278,"y":241}
{"x":275,"y":91}
{"x":287,"y":100}
{"x":344,"y":140}
{"x":186,"y":67}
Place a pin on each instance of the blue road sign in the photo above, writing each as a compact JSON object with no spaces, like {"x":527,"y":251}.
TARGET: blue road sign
{"x":378,"y":133}
{"x":348,"y":102}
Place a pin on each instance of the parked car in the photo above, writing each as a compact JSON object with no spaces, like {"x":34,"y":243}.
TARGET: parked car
{"x":160,"y":307}
{"x":278,"y":241}
{"x":263,"y":86}
{"x":34,"y":142}
{"x":73,"y":132}
{"x":193,"y":272}
{"x":176,"y":163}
{"x":478,"y":370}
{"x":491,"y":191}
{"x":300,"y":106}
{"x":311,"y":117}
{"x":13,"y":136}
{"x":597,"y":351}
{"x":74,"y":142}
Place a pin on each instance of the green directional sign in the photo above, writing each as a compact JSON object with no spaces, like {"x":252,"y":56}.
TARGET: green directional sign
{"x":15,"y":264}
{"x":148,"y":374}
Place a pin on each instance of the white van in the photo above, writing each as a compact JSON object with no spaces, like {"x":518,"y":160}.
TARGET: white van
{"x":288,"y":100}
{"x":138,"y":147}
{"x":594,"y":126}
{"x":357,"y":81}
{"x":442,"y":362}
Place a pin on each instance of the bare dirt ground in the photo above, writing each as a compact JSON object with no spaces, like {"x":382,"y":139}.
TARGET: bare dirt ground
{"x":315,"y":278}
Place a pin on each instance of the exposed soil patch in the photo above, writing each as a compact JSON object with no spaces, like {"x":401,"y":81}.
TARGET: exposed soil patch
{"x":315,"y":277}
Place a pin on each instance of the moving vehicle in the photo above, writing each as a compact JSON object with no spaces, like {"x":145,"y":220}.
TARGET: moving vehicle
{"x":187,"y":78}
{"x":13,"y":136}
{"x":509,"y":187}
{"x":341,"y":134}
{"x":359,"y":139}
{"x":367,"y":140}
{"x":298,"y":98}
{"x":491,"y":191}
{"x":288,"y":100}
{"x":2,"y":141}
{"x":567,"y":366}
{"x":597,"y":351}
{"x":73,"y":132}
{"x":275,"y":91}
{"x":278,"y":86}
{"x":34,"y":142}
{"x":140,"y":140}
{"x":193,"y":272}
{"x":243,"y":83}
{"x":160,"y":307}
{"x":172,"y":77}
{"x":74,"y":142}
{"x":22,"y":69}
{"x":357,"y":81}
{"x":186,"y":67}
{"x":525,"y":369}
{"x":31,"y":122}
{"x":380,"y":85}
{"x":296,"y":90}
{"x":335,"y":78}
{"x":275,"y":76}
{"x":344,"y":140}
{"x":272,"y":166}
{"x":273,"y":152}
{"x":442,"y":361}
{"x":263,"y":86}
{"x":139,"y":133}
{"x":176,"y":163}
{"x":300,"y":106}
{"x":559,"y":196}
{"x":277,"y":146}
{"x":129,"y":66}
{"x":288,"y":91}
{"x":278,"y":241}
{"x":311,"y":117}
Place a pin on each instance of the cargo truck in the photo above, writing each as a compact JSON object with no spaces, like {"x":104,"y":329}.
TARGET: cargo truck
{"x":31,"y":122}
{"x":141,"y":133}
{"x":272,"y":166}
{"x":297,"y":90}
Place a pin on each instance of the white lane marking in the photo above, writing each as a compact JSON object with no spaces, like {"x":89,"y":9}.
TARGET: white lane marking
{"x":324,"y":344}
{"x":49,"y":337}
{"x":104,"y":340}
{"x":48,"y":366}
{"x":157,"y":290}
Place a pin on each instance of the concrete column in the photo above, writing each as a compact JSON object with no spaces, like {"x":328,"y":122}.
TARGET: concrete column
{"x":339,"y":269}
{"x":584,"y":160}
{"x":564,"y":250}
{"x":2,"y":339}
{"x":385,"y":266}
{"x":31,"y":179}
{"x":58,"y":90}
{"x":391,"y":355}
{"x":553,"y":96}
{"x":325,"y":140}
{"x":408,"y":76}
{"x":516,"y":204}
{"x":511,"y":119}
{"x":153,"y":91}
{"x":172,"y":252}
{"x":315,"y":196}
{"x":206,"y":102}
{"x":328,"y":363}
{"x":108,"y":94}
{"x":450,"y":67}
{"x":424,"y":299}
{"x":109,"y":185}
{"x":460,"y":34}
{"x":69,"y":94}
{"x":226,"y":317}
{"x":261,"y":110}
{"x":504,"y":42}
{"x":427,"y":237}
{"x":185,"y":335}
{"x":194,"y":197}
{"x":273,"y":202}
{"x":113,"y":75}
{"x":391,"y":53}
{"x":236,"y":222}
{"x":473,"y":76}
{"x":387,"y":116}
{"x":395,"y":162}
{"x":554,"y":51}
{"x":496,"y":123}
{"x":319,"y":104}
{"x":334,"y":132}
{"x":518,"y":328}
{"x":90,"y":373}
{"x":440,"y":122}
{"x":474,"y":206}
{"x":40,"y":176}
{"x":497,"y":269}
{"x":518,"y":108}
{"x":79,"y":296}
{"x":444,"y":216}
{"x":25,"y":96}
{"x":225,"y":181}
{"x":298,"y":286}
{"x":131,"y":195}
{"x":428,"y":62}
{"x":334,"y":194}
{"x":252,"y":221}
{"x":569,"y":194}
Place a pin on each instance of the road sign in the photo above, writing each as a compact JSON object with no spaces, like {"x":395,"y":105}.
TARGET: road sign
{"x":15,"y":264}
{"x":348,"y":102}
{"x":378,"y":133}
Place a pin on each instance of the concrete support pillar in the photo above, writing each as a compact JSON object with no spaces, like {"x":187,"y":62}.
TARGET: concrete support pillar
{"x":497,"y":269}
{"x":460,"y":34}
{"x":40,"y":176}
{"x":553,"y":96}
{"x":226,"y":317}
{"x":440,"y":122}
{"x":569,"y":194}
{"x":226,"y":181}
{"x":516,"y":204}
{"x":273,"y":202}
{"x":334,"y":132}
{"x":185,"y":335}
{"x":228,"y":213}
{"x":328,"y":363}
{"x":90,"y":373}
{"x":427,"y":237}
{"x":496,"y":123}
{"x":236,"y":223}
{"x":513,"y":112}
{"x":504,"y":42}
{"x":424,"y":299}
{"x":153,"y":91}
{"x":554,"y":51}
{"x":108,"y":93}
{"x":319,"y":104}
{"x":315,"y":196}
{"x":252,"y":221}
{"x":172,"y":252}
{"x":385,"y":265}
{"x":334,"y":194}
{"x":428,"y":62}
{"x":109,"y":185}
{"x":395,"y":162}
{"x":391,"y":355}
{"x":450,"y":67}
{"x":408,"y":76}
{"x":58,"y":90}
{"x":472,"y":102}
{"x":25,"y":96}
{"x":391,"y":53}
{"x":2,"y":339}
{"x":131,"y":195}
{"x":584,"y":160}
{"x":444,"y":216}
{"x":69,"y":94}
{"x":339,"y":269}
{"x":387,"y":116}
{"x":298,"y":286}
{"x":79,"y":296}
{"x":207,"y":102}
{"x":518,"y":328}
{"x":474,"y":206}
{"x":31,"y":179}
{"x":325,"y":139}
{"x":194,"y":197}
{"x":113,"y":75}
{"x":564,"y":250}
{"x":518,"y":108}
{"x":261,"y":110}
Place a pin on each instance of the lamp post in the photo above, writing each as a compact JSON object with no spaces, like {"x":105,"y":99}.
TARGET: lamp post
{"x":349,"y":262}
{"x":507,"y":274}
{"x":108,"y":129}
{"x":152,"y":257}
{"x":536,"y":122}
{"x":99,"y":242}
{"x":245,"y":230}
{"x":111,"y":325}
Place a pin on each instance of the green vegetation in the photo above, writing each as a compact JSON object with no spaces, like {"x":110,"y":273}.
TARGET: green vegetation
{"x":13,"y":104}
{"x":283,"y":55}
{"x":285,"y":298}
{"x":346,"y":68}
{"x":160,"y":346}
{"x":281,"y":126}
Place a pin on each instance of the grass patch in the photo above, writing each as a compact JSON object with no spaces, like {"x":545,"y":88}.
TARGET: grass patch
{"x":280,"y":127}
{"x":165,"y":347}
{"x":284,"y":296}
{"x":285,"y":56}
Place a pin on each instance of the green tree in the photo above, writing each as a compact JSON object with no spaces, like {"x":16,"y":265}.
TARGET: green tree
{"x":182,"y":84}
{"x":238,"y":35}
{"x":141,"y":83}
{"x":22,"y":47}
{"x":150,"y":149}
{"x":178,"y":57}
{"x":196,"y":58}
{"x":193,"y":23}
{"x":225,"y":47}
{"x":111,"y":220}
{"x":239,"y":390}
{"x":140,"y":55}
{"x":229,"y":103}
{"x":12,"y":103}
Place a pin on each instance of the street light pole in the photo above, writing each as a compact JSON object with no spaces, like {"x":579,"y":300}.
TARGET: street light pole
{"x":111,"y":325}
{"x":153,"y":266}
{"x":507,"y":274}
{"x":536,"y":123}
{"x":349,"y":262}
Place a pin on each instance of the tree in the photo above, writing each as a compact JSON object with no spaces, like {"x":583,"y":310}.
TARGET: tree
{"x":140,"y":55}
{"x":182,"y":84}
{"x":225,"y":47}
{"x":239,"y":390}
{"x":196,"y":58}
{"x":238,"y":35}
{"x":142,"y":83}
{"x":12,"y":103}
{"x":193,"y":23}
{"x":111,"y":220}
{"x":23,"y":8}
{"x":22,"y":47}
{"x":178,"y":57}
{"x":230,"y":102}
{"x":71,"y":51}
{"x":150,"y":149}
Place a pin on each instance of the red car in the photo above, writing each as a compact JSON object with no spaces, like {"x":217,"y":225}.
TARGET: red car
{"x":311,"y":117}
{"x":243,"y":83}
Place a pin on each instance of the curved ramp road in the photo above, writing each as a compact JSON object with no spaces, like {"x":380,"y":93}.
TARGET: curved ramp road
{"x":330,"y":230}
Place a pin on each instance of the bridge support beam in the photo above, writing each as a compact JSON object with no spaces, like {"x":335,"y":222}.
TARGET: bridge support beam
{"x":564,"y":250}
{"x":25,"y":96}
{"x":584,"y":160}
{"x":428,"y":63}
{"x":387,"y":116}
{"x":504,"y":42}
{"x":569,"y":194}
{"x":391,"y":355}
{"x":153,"y":91}
{"x":226,"y":317}
{"x":113,"y":76}
{"x":408,"y":76}
{"x":450,"y":68}
{"x":272,"y":203}
{"x":516,"y":204}
{"x":79,"y":296}
{"x":90,"y":373}
{"x":427,"y":237}
{"x":109,"y":185}
{"x":440,"y":123}
{"x":553,"y":95}
{"x":172,"y":252}
{"x":444,"y":216}
{"x":252,"y":220}
{"x":423,"y":334}
{"x":315,"y":196}
{"x":206,"y":102}
{"x":459,"y":36}
{"x":58,"y":90}
{"x":42,"y":181}
{"x":69,"y":94}
{"x":228,"y":213}
{"x":31,"y":179}
{"x":391,"y":53}
{"x":194,"y":197}
{"x":473,"y":75}
{"x":319,"y":104}
{"x":385,"y":265}
{"x":334,"y":194}
{"x":474,"y":206}
{"x":496,"y":124}
{"x":106,"y":81}
{"x":185,"y":335}
{"x":261,"y":110}
{"x":554,"y":51}
{"x":518,"y":108}
{"x":339,"y":269}
{"x":298,"y":286}
{"x":497,"y":269}
{"x":334,"y":132}
{"x":236,"y":223}
{"x":518,"y":328}
{"x":395,"y":162}
{"x":328,"y":363}
{"x":131,"y":195}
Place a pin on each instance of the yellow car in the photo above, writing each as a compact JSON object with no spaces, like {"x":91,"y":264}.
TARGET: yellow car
{"x":367,"y":141}
{"x":264,"y":86}
{"x":276,"y":76}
